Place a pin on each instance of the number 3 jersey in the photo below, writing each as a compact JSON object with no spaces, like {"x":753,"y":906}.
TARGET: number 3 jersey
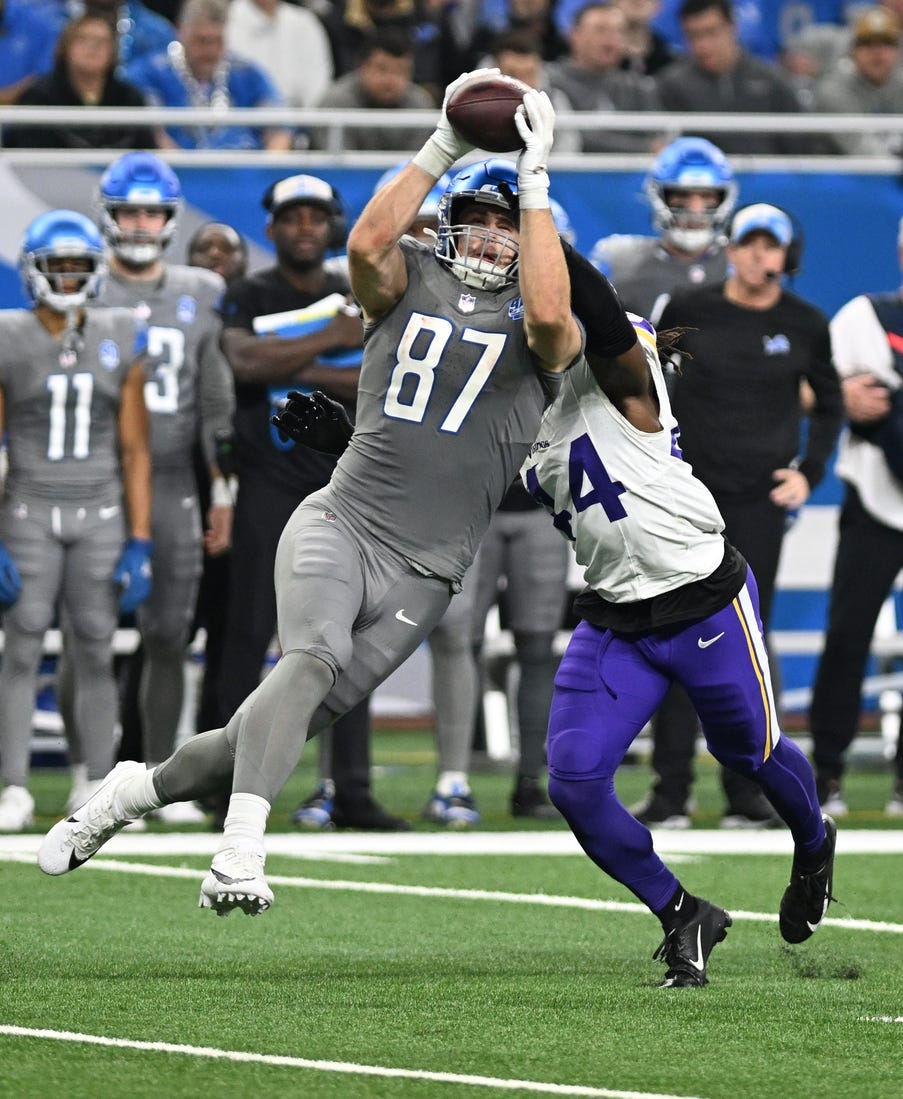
{"x":189,"y":391}
{"x":449,"y":400}
{"x":641,"y":524}
{"x":61,"y":407}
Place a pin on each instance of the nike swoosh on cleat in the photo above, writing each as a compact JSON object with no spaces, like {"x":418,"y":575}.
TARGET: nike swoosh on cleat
{"x":711,"y":641}
{"x":680,"y":903}
{"x":697,"y":962}
{"x":224,"y":879}
{"x":402,"y":617}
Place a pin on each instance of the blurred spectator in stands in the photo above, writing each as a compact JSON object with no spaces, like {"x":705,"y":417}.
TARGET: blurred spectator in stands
{"x":517,"y":53}
{"x":140,"y":31}
{"x":718,"y":74}
{"x":645,"y":50}
{"x":382,"y":80}
{"x":288,"y":41}
{"x":440,"y":36}
{"x":83,"y":75}
{"x":27,"y":39}
{"x":534,"y":18}
{"x":867,"y":81}
{"x":198,"y":71}
{"x":590,"y":75}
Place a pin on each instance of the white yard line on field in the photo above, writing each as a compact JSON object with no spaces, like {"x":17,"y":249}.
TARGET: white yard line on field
{"x":385,"y":888}
{"x":322,"y":845}
{"x":334,"y":1066}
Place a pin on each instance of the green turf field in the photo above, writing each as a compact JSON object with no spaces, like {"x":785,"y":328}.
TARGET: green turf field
{"x":445,"y":974}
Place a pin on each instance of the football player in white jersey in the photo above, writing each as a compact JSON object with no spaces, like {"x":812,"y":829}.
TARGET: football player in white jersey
{"x":72,"y":406}
{"x":668,"y":600}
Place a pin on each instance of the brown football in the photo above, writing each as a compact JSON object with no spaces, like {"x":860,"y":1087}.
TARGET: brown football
{"x":482,"y":111}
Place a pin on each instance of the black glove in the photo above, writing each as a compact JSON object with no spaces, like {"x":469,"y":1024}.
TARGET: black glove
{"x":316,"y":421}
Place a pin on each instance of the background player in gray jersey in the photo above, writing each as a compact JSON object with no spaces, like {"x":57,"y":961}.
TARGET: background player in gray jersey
{"x":72,"y":405}
{"x":692,"y":192}
{"x":462,"y":346}
{"x":189,"y":396}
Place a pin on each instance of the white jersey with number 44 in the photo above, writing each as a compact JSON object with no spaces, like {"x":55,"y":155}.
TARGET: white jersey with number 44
{"x":641,"y":524}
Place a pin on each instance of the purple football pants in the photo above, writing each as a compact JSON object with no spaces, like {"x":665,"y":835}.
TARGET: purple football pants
{"x":608,"y":687}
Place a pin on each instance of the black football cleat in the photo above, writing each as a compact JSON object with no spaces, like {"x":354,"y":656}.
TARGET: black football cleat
{"x":808,"y":895}
{"x":686,"y":949}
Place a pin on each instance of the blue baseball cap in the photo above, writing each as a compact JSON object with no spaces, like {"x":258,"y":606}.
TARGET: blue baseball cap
{"x":761,"y":218}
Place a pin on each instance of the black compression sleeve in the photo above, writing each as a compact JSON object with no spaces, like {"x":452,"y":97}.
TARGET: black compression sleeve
{"x":598,"y":308}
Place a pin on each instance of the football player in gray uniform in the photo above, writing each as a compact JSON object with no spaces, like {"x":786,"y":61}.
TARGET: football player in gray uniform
{"x":72,"y":406}
{"x":465,"y":344}
{"x":692,"y":193}
{"x":189,"y":394}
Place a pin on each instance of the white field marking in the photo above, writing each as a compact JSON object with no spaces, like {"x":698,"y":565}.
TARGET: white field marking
{"x":880,"y":1019}
{"x":692,"y":842}
{"x":334,"y":1066}
{"x":199,"y":843}
{"x":543,"y":899}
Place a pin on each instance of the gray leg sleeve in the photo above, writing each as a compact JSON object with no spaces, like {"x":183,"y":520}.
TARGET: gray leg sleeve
{"x":93,"y":705}
{"x":534,"y":698}
{"x":272,"y":723}
{"x":65,"y":700}
{"x":454,"y":697}
{"x":21,"y":657}
{"x":160,"y":694}
{"x":201,"y":767}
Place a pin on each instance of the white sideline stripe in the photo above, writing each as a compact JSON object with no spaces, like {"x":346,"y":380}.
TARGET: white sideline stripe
{"x":543,"y":899}
{"x":693,"y":841}
{"x":881,"y":1019}
{"x":333,"y":1066}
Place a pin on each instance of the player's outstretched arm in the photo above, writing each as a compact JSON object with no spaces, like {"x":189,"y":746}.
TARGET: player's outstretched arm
{"x":551,"y":331}
{"x":378,"y":273}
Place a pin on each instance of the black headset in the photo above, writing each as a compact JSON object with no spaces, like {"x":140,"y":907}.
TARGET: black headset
{"x":338,"y":223}
{"x":793,"y":260}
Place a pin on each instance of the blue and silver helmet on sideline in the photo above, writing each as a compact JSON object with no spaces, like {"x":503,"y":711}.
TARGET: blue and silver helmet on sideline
{"x":139,"y":180}
{"x":57,"y":235}
{"x":471,"y":251}
{"x":690,"y":164}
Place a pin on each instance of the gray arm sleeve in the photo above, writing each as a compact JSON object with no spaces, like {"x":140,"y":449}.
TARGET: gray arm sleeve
{"x":217,"y":394}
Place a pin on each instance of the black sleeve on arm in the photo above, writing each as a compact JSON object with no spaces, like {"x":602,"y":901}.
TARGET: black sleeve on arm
{"x":826,"y":419}
{"x":596,"y":305}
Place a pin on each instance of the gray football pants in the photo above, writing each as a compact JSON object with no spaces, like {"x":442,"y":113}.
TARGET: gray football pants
{"x":66,"y":556}
{"x":350,"y":611}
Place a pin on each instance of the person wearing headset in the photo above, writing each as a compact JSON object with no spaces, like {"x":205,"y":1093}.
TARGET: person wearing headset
{"x":747,"y":347}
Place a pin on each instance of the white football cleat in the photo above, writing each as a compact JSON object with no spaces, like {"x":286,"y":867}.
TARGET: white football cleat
{"x":16,"y":809}
{"x":236,"y":881}
{"x":73,"y":841}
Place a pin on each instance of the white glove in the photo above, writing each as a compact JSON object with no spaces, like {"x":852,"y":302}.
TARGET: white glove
{"x":535,"y":121}
{"x":446,"y":146}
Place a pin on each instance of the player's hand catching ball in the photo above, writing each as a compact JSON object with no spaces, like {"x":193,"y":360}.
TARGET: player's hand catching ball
{"x":535,"y":121}
{"x":446,"y":146}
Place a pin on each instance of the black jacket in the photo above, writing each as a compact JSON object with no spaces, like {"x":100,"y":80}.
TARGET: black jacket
{"x":55,"y":90}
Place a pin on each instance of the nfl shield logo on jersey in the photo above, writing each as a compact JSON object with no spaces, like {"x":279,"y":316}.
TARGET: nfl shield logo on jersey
{"x":467,"y":303}
{"x":516,"y":309}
